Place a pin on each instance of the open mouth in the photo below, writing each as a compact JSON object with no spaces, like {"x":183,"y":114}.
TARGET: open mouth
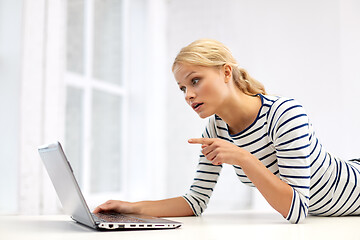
{"x":196,"y":106}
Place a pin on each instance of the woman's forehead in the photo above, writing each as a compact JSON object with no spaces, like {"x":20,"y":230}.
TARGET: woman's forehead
{"x":183,"y":71}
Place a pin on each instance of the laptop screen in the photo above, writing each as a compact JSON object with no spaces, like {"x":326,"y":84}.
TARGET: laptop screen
{"x":66,"y":186}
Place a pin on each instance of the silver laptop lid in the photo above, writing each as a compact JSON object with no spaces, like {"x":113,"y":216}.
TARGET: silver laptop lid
{"x":66,"y":186}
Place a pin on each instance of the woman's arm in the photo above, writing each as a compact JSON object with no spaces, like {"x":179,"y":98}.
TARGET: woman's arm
{"x":276,"y":192}
{"x":171,"y":207}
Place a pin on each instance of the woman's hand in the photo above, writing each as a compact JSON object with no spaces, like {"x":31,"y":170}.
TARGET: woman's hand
{"x":278,"y":193}
{"x":117,"y":206}
{"x":219,"y":151}
{"x":171,"y":207}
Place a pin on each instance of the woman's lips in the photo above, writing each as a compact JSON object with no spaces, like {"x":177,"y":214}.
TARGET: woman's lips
{"x":196,"y":106}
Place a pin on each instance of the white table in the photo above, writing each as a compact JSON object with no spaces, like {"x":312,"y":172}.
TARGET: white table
{"x":232,"y":225}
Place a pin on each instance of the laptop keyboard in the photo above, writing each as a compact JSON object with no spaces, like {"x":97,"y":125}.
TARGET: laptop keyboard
{"x":115,"y":217}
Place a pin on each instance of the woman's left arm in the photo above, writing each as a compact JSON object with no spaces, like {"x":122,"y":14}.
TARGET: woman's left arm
{"x":276,"y":192}
{"x":289,"y":131}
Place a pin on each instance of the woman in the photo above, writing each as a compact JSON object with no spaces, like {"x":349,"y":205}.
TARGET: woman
{"x":268,"y":140}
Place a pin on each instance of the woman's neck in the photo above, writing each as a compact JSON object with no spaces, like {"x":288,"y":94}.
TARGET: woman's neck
{"x":240,"y":111}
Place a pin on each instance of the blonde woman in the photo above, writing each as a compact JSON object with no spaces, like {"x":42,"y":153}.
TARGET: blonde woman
{"x":267,"y":139}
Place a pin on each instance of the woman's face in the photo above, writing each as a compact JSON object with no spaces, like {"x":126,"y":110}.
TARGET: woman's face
{"x":204,"y":88}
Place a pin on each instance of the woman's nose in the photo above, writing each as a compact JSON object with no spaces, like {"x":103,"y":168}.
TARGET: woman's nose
{"x":189,"y":94}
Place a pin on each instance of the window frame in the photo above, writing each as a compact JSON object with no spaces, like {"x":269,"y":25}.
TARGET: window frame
{"x":42,"y":102}
{"x":87,"y":83}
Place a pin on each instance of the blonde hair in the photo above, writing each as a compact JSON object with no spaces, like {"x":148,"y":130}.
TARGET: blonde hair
{"x":212,"y":53}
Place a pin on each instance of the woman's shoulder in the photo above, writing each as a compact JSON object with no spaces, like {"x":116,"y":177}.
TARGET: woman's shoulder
{"x":286,"y":109}
{"x":279,"y":102}
{"x":282,"y":108}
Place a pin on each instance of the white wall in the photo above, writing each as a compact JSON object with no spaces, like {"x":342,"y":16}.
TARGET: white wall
{"x":10,"y":65}
{"x":303,"y":49}
{"x":306,"y":49}
{"x":350,"y":78}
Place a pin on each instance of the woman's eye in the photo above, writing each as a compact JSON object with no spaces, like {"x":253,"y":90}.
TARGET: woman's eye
{"x":195,"y":81}
{"x":183,"y":89}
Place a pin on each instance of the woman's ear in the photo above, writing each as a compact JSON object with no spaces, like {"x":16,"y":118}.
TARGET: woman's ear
{"x":227,"y":72}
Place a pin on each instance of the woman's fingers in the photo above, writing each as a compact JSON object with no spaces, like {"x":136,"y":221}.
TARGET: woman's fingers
{"x":97,"y":210}
{"x":110,"y":205}
{"x":206,"y":141}
{"x":218,"y":151}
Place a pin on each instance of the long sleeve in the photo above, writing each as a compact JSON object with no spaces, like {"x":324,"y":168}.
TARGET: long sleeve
{"x":289,"y":129}
{"x":283,"y":139}
{"x":205,"y":178}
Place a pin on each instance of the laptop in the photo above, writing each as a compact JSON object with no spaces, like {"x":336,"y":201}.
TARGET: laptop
{"x":74,"y":204}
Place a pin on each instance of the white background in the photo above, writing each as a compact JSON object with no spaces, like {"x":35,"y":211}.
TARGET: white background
{"x":308,"y":50}
{"x":305,"y":49}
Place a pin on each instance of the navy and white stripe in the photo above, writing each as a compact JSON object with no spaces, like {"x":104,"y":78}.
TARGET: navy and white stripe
{"x":283,"y":139}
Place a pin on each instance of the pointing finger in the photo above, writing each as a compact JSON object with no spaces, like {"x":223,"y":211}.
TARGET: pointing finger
{"x":207,"y":141}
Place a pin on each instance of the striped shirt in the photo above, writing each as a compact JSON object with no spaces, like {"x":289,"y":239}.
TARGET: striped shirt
{"x":283,"y":139}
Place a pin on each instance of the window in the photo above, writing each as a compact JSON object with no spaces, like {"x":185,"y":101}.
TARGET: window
{"x":96,"y":95}
{"x":73,"y":89}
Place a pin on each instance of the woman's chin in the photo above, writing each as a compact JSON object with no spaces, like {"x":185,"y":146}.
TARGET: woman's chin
{"x":203,"y":115}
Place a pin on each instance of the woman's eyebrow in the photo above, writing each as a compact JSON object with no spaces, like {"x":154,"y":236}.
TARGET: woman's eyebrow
{"x":189,"y":74}
{"x":186,"y":76}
